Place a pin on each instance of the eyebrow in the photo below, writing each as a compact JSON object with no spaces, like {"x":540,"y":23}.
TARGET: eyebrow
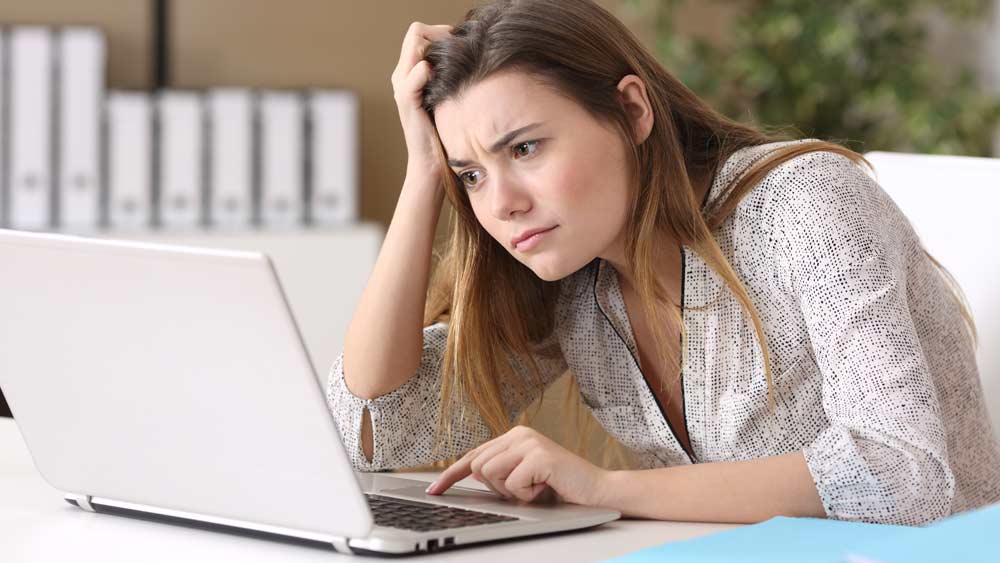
{"x":499,"y":144}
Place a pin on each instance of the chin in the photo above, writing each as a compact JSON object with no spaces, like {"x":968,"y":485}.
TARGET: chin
{"x":552,"y":270}
{"x":549,"y":276}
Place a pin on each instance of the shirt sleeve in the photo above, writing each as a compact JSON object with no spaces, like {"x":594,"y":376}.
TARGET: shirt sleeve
{"x":843,"y":250}
{"x":405,"y":420}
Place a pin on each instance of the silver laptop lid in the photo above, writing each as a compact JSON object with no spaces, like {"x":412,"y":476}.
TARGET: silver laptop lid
{"x":169,"y":376}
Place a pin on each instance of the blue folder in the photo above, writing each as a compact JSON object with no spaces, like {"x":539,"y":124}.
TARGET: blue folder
{"x":971,"y":537}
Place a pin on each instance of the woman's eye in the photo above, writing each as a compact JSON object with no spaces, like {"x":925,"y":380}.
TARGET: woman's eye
{"x":470,"y":178}
{"x":524,"y":149}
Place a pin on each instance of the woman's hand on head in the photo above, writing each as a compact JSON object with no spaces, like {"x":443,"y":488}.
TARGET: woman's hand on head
{"x":523,"y":464}
{"x":408,"y":80}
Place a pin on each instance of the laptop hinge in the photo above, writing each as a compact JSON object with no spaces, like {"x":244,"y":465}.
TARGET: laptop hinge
{"x":340,"y":545}
{"x":83,"y":501}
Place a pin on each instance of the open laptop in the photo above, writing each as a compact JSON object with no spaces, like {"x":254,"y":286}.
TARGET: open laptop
{"x":172,"y":383}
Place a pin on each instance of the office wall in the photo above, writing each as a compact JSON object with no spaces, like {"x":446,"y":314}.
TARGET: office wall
{"x":127,"y":25}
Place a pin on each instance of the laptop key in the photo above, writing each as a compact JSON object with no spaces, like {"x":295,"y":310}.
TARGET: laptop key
{"x":424,"y":517}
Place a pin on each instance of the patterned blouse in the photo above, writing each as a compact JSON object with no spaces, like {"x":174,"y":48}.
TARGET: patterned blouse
{"x":875,"y":379}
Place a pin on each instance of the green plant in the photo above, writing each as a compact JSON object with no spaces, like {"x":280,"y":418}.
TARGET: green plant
{"x":857,"y":71}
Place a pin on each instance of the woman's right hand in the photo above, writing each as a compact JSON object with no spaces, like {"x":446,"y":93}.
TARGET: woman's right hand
{"x":408,"y":79}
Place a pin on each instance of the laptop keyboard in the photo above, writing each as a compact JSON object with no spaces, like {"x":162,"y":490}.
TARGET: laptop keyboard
{"x":424,"y":517}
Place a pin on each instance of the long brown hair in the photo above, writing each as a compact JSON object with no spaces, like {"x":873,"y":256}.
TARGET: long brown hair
{"x":495,"y":306}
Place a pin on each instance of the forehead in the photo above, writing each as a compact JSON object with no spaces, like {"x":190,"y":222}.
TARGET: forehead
{"x":496,"y":105}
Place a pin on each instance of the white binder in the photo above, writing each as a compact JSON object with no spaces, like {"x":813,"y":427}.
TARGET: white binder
{"x":282,"y":141}
{"x":82,"y":56}
{"x":4,"y":81}
{"x":180,"y":164}
{"x":30,"y":174}
{"x":130,"y":160}
{"x":231,"y":150}
{"x":334,"y":157}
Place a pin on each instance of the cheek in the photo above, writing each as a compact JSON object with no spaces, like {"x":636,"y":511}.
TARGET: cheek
{"x":593,"y":189}
{"x":486,"y":220}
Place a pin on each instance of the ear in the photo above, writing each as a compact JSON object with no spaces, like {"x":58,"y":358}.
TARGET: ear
{"x":632,"y":93}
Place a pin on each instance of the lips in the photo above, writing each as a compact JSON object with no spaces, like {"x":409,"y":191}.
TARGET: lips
{"x":528,"y":234}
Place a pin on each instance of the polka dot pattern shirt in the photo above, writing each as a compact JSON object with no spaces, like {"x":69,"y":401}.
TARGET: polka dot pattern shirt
{"x":875,"y":380}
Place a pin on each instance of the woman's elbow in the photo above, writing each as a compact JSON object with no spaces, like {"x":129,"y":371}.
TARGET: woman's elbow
{"x":924,"y":497}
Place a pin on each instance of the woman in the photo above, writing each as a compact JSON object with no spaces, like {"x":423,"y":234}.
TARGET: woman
{"x":755,"y":320}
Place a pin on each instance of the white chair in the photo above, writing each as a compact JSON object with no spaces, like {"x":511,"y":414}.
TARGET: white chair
{"x":953,"y":202}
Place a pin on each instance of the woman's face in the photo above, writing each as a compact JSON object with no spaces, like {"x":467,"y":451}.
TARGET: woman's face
{"x":532,"y":159}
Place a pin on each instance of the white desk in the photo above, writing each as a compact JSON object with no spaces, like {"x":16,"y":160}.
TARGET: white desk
{"x":37,"y":525}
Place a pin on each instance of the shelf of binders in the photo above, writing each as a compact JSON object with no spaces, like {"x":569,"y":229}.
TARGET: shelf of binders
{"x":77,"y":157}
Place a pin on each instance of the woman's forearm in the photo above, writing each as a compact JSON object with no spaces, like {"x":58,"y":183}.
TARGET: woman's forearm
{"x":733,"y":491}
{"x":384,"y":340}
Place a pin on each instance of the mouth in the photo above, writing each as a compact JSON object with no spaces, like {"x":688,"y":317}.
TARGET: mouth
{"x":530,"y":239}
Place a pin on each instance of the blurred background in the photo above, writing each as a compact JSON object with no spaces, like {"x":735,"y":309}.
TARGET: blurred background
{"x":915,"y":75}
{"x":900,"y":75}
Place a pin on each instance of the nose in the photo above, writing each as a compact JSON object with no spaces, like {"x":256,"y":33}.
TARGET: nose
{"x":507,"y":198}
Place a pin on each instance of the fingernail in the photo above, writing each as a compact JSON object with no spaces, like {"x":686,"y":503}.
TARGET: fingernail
{"x":431,"y":486}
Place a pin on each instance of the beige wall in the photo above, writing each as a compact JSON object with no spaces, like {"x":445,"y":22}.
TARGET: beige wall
{"x":127,"y":24}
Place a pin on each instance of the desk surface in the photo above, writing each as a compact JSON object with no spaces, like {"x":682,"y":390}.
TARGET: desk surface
{"x":37,"y":525}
